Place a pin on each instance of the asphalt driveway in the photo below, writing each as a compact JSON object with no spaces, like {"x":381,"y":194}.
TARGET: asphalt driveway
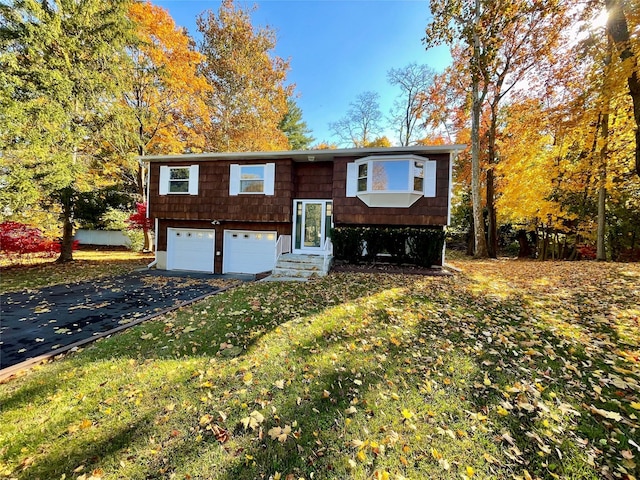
{"x":37,"y":322}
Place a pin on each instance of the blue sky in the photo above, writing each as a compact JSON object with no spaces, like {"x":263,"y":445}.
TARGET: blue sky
{"x":337,"y":49}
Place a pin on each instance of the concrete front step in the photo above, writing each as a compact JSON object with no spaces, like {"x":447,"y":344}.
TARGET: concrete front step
{"x":300,"y":266}
{"x":286,"y":272}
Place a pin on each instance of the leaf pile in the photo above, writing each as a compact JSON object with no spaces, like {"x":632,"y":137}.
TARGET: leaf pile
{"x":516,"y":370}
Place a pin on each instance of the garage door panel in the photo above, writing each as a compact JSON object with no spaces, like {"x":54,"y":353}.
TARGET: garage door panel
{"x":248,"y":251}
{"x":190,"y":249}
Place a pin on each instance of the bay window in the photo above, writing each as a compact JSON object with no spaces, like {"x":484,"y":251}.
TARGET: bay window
{"x":391,"y":181}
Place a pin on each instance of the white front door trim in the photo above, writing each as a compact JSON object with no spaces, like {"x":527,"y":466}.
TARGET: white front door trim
{"x":305,"y":226}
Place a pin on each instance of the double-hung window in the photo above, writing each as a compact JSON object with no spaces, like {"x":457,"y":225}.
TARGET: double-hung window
{"x":179,"y":179}
{"x":182,"y":180}
{"x":252,"y":179}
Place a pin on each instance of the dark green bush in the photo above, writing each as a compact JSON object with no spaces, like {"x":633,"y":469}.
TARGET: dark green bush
{"x":425,"y":246}
{"x":420,"y":246}
{"x":347,"y":244}
{"x":375,"y":242}
{"x":395,"y":243}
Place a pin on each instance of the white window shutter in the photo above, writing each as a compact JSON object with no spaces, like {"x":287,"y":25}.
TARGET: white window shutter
{"x":352,"y":179}
{"x":193,"y":179}
{"x":430,"y":178}
{"x":269,"y":178}
{"x":164,"y":180}
{"x":234,"y":179}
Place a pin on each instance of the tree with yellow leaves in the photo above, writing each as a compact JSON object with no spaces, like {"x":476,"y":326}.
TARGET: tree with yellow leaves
{"x":248,"y":98}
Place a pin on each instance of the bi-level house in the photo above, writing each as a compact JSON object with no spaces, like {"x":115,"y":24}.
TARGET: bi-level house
{"x":240,"y":212}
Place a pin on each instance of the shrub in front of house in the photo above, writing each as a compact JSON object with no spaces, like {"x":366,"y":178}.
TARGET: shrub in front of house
{"x":348,"y":244}
{"x":418,"y":246}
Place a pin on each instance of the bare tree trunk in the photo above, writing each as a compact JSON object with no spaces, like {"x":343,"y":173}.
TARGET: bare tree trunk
{"x":524,"y":250}
{"x":601,"y":253}
{"x":492,"y":225}
{"x":471,"y":240}
{"x":141,"y":185}
{"x":66,"y":246}
{"x":618,"y":30}
{"x":476,"y":107}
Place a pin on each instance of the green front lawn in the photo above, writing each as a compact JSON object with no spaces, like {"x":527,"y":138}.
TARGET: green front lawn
{"x":508,"y":370}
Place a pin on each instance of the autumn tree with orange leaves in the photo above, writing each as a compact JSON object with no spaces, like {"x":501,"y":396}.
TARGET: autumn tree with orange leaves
{"x":248,"y":98}
{"x":163,"y":109}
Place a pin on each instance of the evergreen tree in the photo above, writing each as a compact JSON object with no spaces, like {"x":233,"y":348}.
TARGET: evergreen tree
{"x":60,"y":62}
{"x":295,"y":128}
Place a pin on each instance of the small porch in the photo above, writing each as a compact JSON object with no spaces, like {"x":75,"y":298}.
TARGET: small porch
{"x":308,"y":251}
{"x":300,"y":266}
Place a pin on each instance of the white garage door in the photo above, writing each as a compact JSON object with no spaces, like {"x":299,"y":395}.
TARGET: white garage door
{"x":248,"y":251}
{"x":190,"y":249}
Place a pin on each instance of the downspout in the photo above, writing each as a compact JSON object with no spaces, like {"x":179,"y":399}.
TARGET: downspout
{"x":155,"y":243}
{"x":155,"y":229}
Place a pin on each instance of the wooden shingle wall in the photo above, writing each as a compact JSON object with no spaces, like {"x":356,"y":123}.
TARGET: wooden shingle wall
{"x":313,"y":180}
{"x":426,"y":211}
{"x":213,"y":201}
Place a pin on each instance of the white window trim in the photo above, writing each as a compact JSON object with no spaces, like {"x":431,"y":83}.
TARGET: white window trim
{"x":392,"y":198}
{"x":165,"y":175}
{"x":268,"y":181}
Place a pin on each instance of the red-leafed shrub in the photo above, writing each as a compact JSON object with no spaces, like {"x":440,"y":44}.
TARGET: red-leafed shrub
{"x":20,"y":240}
{"x":139,"y":220}
{"x":587,"y":252}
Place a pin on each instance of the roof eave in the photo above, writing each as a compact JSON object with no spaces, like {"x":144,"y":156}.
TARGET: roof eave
{"x":304,"y":155}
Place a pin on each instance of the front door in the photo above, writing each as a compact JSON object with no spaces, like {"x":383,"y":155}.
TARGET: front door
{"x":310,"y":225}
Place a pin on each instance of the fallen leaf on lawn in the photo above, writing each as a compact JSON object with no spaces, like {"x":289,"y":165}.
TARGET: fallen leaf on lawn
{"x":254,"y":419}
{"x":351,"y":410}
{"x":222,"y":435}
{"x":206,"y":419}
{"x":280,"y":433}
{"x":615,"y":416}
{"x":627,"y":454}
{"x":279,"y":384}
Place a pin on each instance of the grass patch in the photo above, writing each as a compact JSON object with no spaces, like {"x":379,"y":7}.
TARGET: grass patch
{"x":87,"y":265}
{"x":483,"y":375}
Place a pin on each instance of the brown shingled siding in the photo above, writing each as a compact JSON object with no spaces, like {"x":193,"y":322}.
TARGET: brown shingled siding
{"x":313,"y":181}
{"x":426,"y":211}
{"x":213,"y":201}
{"x":321,"y":180}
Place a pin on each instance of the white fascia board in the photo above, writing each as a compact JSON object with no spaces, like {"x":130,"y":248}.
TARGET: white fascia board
{"x":303,"y":155}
